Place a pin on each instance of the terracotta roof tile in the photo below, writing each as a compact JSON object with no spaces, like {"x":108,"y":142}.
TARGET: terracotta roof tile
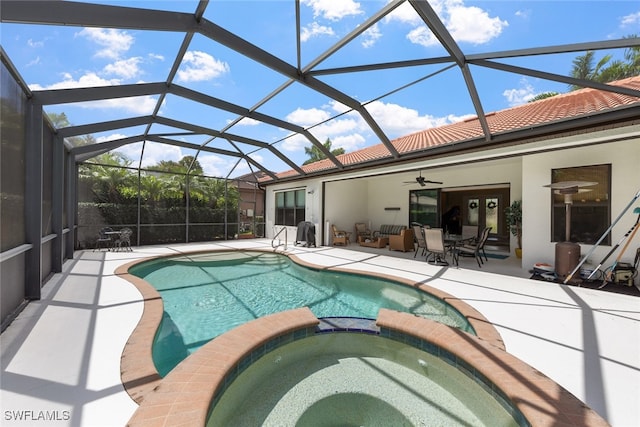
{"x":560,"y":107}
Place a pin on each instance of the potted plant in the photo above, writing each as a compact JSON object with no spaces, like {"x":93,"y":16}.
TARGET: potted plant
{"x":514,"y":222}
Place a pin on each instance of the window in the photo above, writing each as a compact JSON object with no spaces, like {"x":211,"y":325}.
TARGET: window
{"x":591,"y":207}
{"x":423,"y":207}
{"x":290,"y":207}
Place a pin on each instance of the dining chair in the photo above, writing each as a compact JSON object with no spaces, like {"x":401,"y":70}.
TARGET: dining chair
{"x":418,"y":235}
{"x":470,"y":233}
{"x":104,"y":239}
{"x":476,"y":250}
{"x":436,"y":249}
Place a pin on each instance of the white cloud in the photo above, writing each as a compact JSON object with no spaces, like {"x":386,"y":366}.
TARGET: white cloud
{"x":142,"y":105}
{"x":473,"y":25}
{"x":200,"y":66}
{"x":406,"y":14}
{"x":155,"y":152}
{"x":344,"y":132}
{"x":397,"y":120}
{"x":350,"y":142}
{"x":467,"y":24}
{"x":131,"y":151}
{"x":125,"y":68}
{"x":113,"y":42}
{"x":308,"y":117}
{"x":351,"y":132}
{"x":519,"y":96}
{"x":111,"y":137}
{"x":35,"y":44}
{"x":371,"y":36}
{"x":338,"y":107}
{"x":630,"y":20}
{"x":525,"y":14}
{"x":258,"y":158}
{"x":294,"y":143}
{"x":314,"y":30}
{"x":452,"y":118}
{"x":156,"y":56}
{"x":333,"y":10}
{"x":33,"y":62}
{"x":138,"y":105}
{"x":214,"y":165}
{"x":86,"y":80}
{"x":246,"y":121}
{"x":422,"y":36}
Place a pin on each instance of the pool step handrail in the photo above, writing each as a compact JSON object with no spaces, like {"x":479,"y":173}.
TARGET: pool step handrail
{"x":273,"y":245}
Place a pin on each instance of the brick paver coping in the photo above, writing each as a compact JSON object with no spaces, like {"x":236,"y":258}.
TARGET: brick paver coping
{"x":183,"y":397}
{"x":542,"y":401}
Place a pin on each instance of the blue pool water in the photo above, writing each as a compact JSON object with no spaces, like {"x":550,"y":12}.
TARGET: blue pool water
{"x":208,"y":294}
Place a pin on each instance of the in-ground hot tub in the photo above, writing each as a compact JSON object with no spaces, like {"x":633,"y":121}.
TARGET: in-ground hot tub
{"x":357,"y":379}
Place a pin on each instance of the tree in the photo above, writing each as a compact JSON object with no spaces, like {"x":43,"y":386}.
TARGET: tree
{"x":109,"y":175}
{"x":152,"y":188}
{"x":606,"y":70}
{"x":543,"y":95}
{"x":315,"y":154}
{"x":59,"y":120}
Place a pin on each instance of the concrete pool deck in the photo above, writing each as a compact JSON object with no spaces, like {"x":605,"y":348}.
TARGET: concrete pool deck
{"x":61,"y":356}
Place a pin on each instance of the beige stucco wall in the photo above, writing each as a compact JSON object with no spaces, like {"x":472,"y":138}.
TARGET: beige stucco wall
{"x":624,"y":158}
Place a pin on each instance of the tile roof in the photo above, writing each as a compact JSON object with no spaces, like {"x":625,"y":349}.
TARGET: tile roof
{"x":561,"y":107}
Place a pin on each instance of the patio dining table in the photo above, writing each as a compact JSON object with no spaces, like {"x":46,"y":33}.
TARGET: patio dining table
{"x":453,"y":240}
{"x":113,"y":235}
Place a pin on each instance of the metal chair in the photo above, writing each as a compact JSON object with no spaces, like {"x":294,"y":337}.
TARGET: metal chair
{"x":418,"y":234}
{"x":475,"y":250}
{"x":436,"y":249}
{"x":104,"y":240}
{"x":470,"y":234}
{"x":124,"y":240}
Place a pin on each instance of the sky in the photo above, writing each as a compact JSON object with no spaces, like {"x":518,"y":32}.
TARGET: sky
{"x":59,"y":57}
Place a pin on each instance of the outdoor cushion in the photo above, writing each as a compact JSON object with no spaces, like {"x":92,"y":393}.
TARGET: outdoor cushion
{"x":387,"y":230}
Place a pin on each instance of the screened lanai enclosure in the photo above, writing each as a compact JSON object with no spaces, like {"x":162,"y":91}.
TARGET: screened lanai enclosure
{"x":171,"y":118}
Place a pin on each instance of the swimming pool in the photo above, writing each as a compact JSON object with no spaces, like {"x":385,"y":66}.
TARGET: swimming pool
{"x":357,"y":379}
{"x":207,"y":294}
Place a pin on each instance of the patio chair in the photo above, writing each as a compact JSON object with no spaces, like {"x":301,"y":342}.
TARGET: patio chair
{"x":418,"y":235}
{"x":402,"y":242}
{"x":436,"y":249}
{"x":470,"y":234}
{"x":362,"y":231}
{"x":476,"y":250}
{"x":104,"y":240}
{"x":340,"y":237}
{"x":124,"y":240}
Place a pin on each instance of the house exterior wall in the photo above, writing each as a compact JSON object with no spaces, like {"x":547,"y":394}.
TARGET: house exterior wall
{"x":624,"y":158}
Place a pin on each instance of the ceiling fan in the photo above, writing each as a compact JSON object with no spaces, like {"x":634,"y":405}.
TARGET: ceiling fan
{"x":422,"y":181}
